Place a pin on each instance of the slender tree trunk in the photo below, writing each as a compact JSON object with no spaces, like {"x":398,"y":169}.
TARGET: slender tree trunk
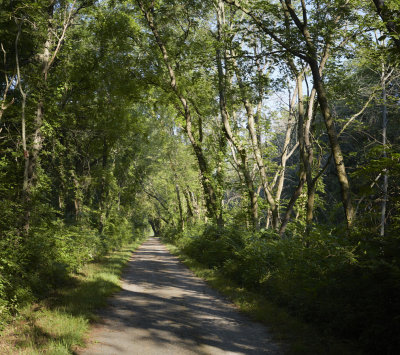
{"x":46,"y":59}
{"x":316,"y":69}
{"x":37,"y":137}
{"x":103,"y":187}
{"x":243,"y":165}
{"x":196,"y":209}
{"x":212,"y":204}
{"x":188,"y":205}
{"x":384,"y":142}
{"x":306,"y":151}
{"x":292,"y":202}
{"x":178,"y":196}
{"x":251,"y":191}
{"x":251,"y":126}
{"x":286,"y":154}
{"x":311,"y":182}
{"x":4,"y":105}
{"x":26,"y":195}
{"x":334,"y":144}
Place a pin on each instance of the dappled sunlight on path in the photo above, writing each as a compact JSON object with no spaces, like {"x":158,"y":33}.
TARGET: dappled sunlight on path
{"x":164,"y":309}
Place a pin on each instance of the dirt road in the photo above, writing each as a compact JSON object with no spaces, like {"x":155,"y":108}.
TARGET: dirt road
{"x":164,"y":309}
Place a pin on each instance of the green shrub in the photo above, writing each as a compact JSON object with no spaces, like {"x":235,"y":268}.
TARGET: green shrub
{"x":348,"y":285}
{"x":215,"y":246}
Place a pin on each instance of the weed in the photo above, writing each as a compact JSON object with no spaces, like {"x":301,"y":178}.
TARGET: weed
{"x":58,"y":324}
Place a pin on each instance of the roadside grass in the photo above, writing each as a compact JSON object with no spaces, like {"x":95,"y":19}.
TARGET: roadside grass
{"x":294,"y":336}
{"x":58,"y":324}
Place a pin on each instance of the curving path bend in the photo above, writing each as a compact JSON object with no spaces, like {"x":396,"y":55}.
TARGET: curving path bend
{"x":164,"y":309}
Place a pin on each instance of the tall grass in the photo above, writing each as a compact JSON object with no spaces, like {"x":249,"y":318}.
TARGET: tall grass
{"x":58,"y":324}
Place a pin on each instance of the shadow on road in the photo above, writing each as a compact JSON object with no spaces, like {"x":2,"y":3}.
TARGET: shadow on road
{"x":163,"y":306}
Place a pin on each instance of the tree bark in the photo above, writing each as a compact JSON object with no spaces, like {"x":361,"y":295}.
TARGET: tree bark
{"x":311,"y":57}
{"x":178,"y":196}
{"x":334,"y":144}
{"x":210,"y":196}
{"x":188,"y":205}
{"x":46,"y":60}
{"x":25,"y":192}
{"x":389,"y":18}
{"x":4,"y":105}
{"x":384,"y":142}
{"x":292,"y":202}
{"x":243,"y":165}
{"x":251,"y":126}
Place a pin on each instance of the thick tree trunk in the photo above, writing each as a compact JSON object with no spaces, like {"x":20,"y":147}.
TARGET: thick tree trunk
{"x":334,"y":144}
{"x":311,"y":57}
{"x":155,"y":226}
{"x":251,"y":191}
{"x":390,"y":19}
{"x":310,"y":204}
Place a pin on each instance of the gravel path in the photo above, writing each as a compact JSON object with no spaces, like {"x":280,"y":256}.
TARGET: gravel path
{"x":164,"y":309}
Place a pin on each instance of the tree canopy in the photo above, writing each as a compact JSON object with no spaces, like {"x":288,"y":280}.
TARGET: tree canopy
{"x":261,"y":137}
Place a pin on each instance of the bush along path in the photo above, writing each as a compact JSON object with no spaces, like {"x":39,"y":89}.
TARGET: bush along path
{"x":164,"y":309}
{"x":59,"y":324}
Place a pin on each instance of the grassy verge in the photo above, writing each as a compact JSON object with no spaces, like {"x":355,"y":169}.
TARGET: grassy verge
{"x":58,"y":324}
{"x":295,"y":336}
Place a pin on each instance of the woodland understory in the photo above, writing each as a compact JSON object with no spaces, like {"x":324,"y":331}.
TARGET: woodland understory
{"x":260,"y":137}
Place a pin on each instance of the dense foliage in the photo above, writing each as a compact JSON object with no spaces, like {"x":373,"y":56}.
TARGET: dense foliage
{"x":261,"y":137}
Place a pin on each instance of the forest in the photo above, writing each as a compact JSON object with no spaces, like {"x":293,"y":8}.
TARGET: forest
{"x":260,"y":137}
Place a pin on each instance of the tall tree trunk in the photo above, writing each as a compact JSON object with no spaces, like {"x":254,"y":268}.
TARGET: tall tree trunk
{"x":46,"y":59}
{"x":312,"y":58}
{"x":196,"y":209}
{"x":292,"y":202}
{"x":178,"y":196}
{"x":309,"y":151}
{"x":306,"y":151}
{"x":286,"y":154}
{"x":316,"y":70}
{"x":4,"y":105}
{"x":243,"y":165}
{"x":103,"y":187}
{"x":188,"y":205}
{"x":26,"y":195}
{"x":384,"y":142}
{"x":37,"y":137}
{"x":213,"y":206}
{"x":334,"y":144}
{"x":251,"y":126}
